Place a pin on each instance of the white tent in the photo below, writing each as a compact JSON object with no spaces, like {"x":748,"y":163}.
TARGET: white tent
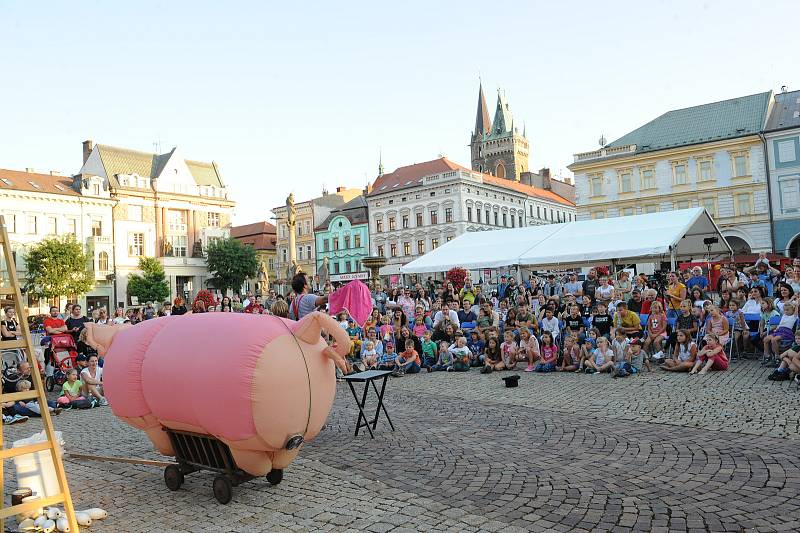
{"x":670,"y":235}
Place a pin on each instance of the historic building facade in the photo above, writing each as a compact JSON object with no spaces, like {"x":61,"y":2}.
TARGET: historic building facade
{"x":343,"y":239}
{"x":309,"y":214}
{"x":262,"y":237}
{"x":419,"y":207}
{"x":165,"y":206}
{"x":782,"y":137}
{"x":37,"y":206}
{"x":497,"y":147}
{"x":709,"y":155}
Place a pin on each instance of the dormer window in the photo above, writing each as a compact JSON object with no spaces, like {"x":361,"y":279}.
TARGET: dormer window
{"x":34,"y":185}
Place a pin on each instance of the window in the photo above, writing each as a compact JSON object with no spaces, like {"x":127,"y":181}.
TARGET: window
{"x":434,"y":244}
{"x":393,"y":250}
{"x":284,"y":255}
{"x":102,"y":261}
{"x":326,"y":245}
{"x":469,"y":214}
{"x":11,"y":222}
{"x":496,"y":218}
{"x":135,"y":244}
{"x":135,"y":213}
{"x":96,"y":189}
{"x":357,"y":240}
{"x":682,"y":204}
{"x":404,"y":222}
{"x":335,"y":267}
{"x":513,"y":222}
{"x":449,"y":238}
{"x":406,"y":248}
{"x":652,"y":208}
{"x":213,"y":220}
{"x":598,"y":214}
{"x":32,"y":227}
{"x":176,"y":221}
{"x":488,"y":220}
{"x":790,"y":195}
{"x":505,"y":220}
{"x":380,"y":250}
{"x":787,"y":151}
{"x":420,"y":246}
{"x":392,"y":224}
{"x":520,"y":221}
{"x":743,"y":205}
{"x":379,"y":225}
{"x":740,"y":164}
{"x":625,"y":180}
{"x":679,"y":174}
{"x":347,"y":242}
{"x":307,"y":226}
{"x":448,"y":214}
{"x":179,"y":248}
{"x":334,"y":243}
{"x":628,"y":211}
{"x":705,"y":169}
{"x":299,"y":253}
{"x":419,"y":220}
{"x":97,"y":228}
{"x":52,"y":226}
{"x":434,"y":217}
{"x":648,"y":178}
{"x":347,"y":266}
{"x":595,"y":184}
{"x":308,"y":252}
{"x":710,"y":205}
{"x":538,"y":211}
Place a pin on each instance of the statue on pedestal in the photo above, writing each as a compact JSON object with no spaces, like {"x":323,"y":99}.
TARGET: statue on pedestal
{"x":322,"y":272}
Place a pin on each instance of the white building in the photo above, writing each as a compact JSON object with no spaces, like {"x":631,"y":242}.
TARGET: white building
{"x":165,"y":206}
{"x":36,"y":206}
{"x":418,"y":207}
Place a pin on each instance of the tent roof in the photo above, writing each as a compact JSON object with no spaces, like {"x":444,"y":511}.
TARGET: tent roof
{"x":581,"y":242}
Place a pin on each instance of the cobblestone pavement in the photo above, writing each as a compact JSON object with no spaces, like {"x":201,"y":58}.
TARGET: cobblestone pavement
{"x":657,"y":452}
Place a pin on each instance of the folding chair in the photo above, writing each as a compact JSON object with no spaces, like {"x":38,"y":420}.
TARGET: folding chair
{"x":731,"y":341}
{"x":768,"y":328}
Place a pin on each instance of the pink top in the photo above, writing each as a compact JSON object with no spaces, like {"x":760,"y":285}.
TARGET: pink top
{"x":657,"y":324}
{"x":419,"y":330}
{"x":549,"y":353}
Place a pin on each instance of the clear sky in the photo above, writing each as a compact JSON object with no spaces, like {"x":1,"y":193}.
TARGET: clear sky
{"x":291,"y":96}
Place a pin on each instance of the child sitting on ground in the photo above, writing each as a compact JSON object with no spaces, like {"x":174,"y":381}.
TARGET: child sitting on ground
{"x":602,"y":359}
{"x":428,"y":351}
{"x":656,"y":330}
{"x":550,"y":323}
{"x":528,"y":348}
{"x":712,"y":357}
{"x":589,"y":345}
{"x":492,"y":358}
{"x":622,"y":356}
{"x":476,"y":346}
{"x":637,"y":356}
{"x":782,"y":336}
{"x":407,"y":362}
{"x":548,"y":354}
{"x":484,"y":320}
{"x":369,"y":357}
{"x":602,"y":320}
{"x":387,"y":331}
{"x":509,"y":350}
{"x":445,"y":361}
{"x":461,"y":355}
{"x":571,"y":358}
{"x":386,"y":359}
{"x":356,"y":334}
{"x":419,"y":327}
{"x":71,"y":390}
{"x":684,"y":354}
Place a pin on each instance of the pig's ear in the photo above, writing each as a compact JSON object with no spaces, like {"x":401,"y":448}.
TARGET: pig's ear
{"x":310,"y":328}
{"x":99,"y":337}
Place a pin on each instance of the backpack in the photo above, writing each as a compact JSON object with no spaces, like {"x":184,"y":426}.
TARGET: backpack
{"x":82,"y":404}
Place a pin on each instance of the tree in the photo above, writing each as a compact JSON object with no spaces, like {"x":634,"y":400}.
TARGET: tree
{"x":57,"y":267}
{"x":230,"y":263}
{"x":152,"y":285}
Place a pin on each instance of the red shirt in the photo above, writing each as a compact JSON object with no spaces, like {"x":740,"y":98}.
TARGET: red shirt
{"x":254,"y":308}
{"x":51,"y":322}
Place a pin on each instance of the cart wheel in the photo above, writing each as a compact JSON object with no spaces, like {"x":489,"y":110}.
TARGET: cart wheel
{"x":275,"y":476}
{"x":173,"y":477}
{"x":49,"y":383}
{"x":223,"y":489}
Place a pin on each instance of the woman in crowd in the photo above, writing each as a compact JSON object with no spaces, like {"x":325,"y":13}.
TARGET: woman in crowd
{"x":623,"y":285}
{"x":179,"y":306}
{"x":102,"y":317}
{"x":406,"y":335}
{"x":225,"y":305}
{"x":10,"y":326}
{"x":444,"y":331}
{"x":423,"y":300}
{"x":783,"y":295}
{"x":725,"y":300}
{"x":698,"y":297}
{"x":119,"y":316}
{"x":753,"y":303}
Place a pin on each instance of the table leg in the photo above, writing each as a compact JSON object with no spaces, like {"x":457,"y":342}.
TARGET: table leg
{"x":360,"y":405}
{"x":380,"y":404}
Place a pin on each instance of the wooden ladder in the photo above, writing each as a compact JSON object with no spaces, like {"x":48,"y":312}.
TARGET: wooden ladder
{"x":10,"y":289}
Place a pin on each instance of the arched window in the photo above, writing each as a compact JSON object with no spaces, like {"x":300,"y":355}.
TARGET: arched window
{"x":102,"y":261}
{"x":500,"y":170}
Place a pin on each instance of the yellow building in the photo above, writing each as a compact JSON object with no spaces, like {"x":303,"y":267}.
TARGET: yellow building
{"x":710,"y":156}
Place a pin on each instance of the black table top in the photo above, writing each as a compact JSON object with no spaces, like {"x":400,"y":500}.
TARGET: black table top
{"x":366,"y":376}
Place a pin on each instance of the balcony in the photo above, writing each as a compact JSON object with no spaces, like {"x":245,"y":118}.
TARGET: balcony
{"x":102,"y":275}
{"x":101,"y":241}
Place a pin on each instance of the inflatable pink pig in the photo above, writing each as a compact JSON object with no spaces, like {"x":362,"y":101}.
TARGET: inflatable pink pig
{"x":261,"y":384}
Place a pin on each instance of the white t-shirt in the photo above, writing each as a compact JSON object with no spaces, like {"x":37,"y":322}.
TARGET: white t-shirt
{"x":550,"y":325}
{"x":98,"y":374}
{"x":604,"y":293}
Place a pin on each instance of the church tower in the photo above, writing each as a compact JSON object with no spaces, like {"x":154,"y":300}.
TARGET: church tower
{"x":498,"y":149}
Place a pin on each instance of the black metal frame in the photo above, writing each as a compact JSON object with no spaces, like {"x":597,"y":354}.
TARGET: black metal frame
{"x":363,"y":421}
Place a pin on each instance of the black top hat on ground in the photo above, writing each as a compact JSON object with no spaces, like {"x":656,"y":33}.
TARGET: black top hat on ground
{"x":512,"y":381}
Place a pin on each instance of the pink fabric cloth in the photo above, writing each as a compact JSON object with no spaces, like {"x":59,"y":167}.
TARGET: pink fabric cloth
{"x":354,"y":298}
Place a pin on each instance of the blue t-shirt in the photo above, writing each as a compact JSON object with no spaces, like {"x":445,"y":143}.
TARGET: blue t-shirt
{"x":697,"y":281}
{"x":302,"y":305}
{"x":475,"y":347}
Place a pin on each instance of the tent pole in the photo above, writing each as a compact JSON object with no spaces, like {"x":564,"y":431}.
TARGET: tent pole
{"x":672,"y":260}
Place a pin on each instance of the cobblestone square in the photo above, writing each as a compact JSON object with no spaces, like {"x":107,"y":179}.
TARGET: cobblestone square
{"x":656,"y":452}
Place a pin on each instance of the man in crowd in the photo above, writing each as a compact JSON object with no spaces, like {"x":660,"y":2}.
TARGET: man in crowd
{"x":466,"y":314}
{"x":446,"y":313}
{"x":255,"y":307}
{"x":590,"y":284}
{"x":53,"y":325}
{"x":303,"y":303}
{"x":502,"y":287}
{"x":573,"y":286}
{"x":697,"y":280}
{"x":248,"y":300}
{"x":635,"y":303}
{"x":552,"y":287}
{"x":467,"y":292}
{"x":627,"y":321}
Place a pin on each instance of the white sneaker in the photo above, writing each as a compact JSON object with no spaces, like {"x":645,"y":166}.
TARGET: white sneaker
{"x":103,"y":402}
{"x":658,"y":355}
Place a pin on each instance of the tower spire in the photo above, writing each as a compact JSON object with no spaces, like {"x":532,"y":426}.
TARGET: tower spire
{"x":380,"y":162}
{"x":482,"y":124}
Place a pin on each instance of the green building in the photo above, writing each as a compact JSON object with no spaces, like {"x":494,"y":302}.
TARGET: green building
{"x":343,"y":238}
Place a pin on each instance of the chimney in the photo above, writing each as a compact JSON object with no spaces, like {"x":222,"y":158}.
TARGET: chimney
{"x":339,"y":189}
{"x":545,"y":174}
{"x":367,"y":189}
{"x":55,"y":173}
{"x":87,"y":149}
{"x":29,"y":170}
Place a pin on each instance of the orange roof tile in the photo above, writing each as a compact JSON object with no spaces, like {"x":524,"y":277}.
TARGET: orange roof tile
{"x":33,"y":182}
{"x":261,"y":235}
{"x":411,"y":176}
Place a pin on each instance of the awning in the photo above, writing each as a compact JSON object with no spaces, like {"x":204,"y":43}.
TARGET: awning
{"x":652,"y":236}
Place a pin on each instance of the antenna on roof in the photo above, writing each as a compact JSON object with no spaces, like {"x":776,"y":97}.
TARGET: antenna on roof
{"x":784,"y":88}
{"x":602,"y":140}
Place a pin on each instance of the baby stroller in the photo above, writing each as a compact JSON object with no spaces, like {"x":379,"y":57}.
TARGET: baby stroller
{"x":63,"y":356}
